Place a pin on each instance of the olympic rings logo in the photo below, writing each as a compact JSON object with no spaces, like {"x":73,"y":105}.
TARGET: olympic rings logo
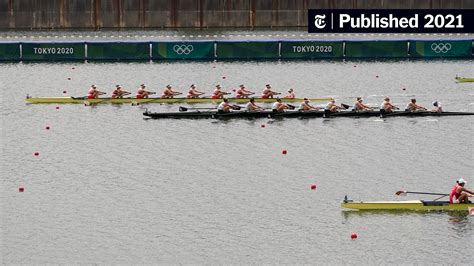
{"x":441,"y":47}
{"x":183,"y":49}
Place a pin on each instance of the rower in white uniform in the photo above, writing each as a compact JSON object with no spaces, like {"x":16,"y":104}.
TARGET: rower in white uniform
{"x":360,"y":106}
{"x":413,"y":107}
{"x":224,"y":106}
{"x":279,"y":107}
{"x":305,"y":106}
{"x":387,"y":106}
{"x":252,"y":107}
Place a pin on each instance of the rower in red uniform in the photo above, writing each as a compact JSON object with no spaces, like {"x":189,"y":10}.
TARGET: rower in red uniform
{"x":460,"y":194}
{"x":168,"y":93}
{"x":193,"y":92}
{"x":93,"y":93}
{"x":142,"y":93}
{"x":291,"y":94}
{"x":242,"y":92}
{"x":268,"y":93}
{"x":118,"y":92}
{"x":217,"y":93}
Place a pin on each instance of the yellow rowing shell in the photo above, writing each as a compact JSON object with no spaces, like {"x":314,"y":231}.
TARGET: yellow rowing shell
{"x":414,"y":205}
{"x":158,"y":100}
{"x":460,"y":79}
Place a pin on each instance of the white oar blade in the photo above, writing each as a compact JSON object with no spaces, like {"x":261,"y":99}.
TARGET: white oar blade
{"x":471,"y":210}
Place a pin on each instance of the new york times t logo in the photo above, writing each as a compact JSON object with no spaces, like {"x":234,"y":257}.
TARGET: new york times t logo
{"x":319,"y":21}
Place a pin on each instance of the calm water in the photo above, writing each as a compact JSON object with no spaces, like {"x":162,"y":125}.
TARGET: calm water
{"x":111,"y":187}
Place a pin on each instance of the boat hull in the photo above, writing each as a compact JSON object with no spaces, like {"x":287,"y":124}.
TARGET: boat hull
{"x":461,"y":80}
{"x":292,"y":114}
{"x":81,"y":100}
{"x":414,"y":205}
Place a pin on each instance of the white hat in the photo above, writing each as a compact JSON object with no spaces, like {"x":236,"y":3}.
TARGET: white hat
{"x":461,"y":181}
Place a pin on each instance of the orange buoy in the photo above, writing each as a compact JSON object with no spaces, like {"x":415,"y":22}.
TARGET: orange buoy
{"x":21,"y":189}
{"x":353,"y":236}
{"x":284,"y":152}
{"x":313,"y":186}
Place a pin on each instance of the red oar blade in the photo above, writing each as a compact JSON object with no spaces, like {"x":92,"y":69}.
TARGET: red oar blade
{"x":401,"y":193}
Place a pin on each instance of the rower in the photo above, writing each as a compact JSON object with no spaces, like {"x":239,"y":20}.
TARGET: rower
{"x":413,"y":107}
{"x":252,"y":107}
{"x":193,"y":92}
{"x":291,"y":94}
{"x":279,"y":107}
{"x":460,"y":194}
{"x":267,"y":93}
{"x":359,"y":106}
{"x":224,"y":107}
{"x":437,"y":107}
{"x":387,"y":106}
{"x":331,"y":107}
{"x":305,"y":106}
{"x":242,"y":92}
{"x":142,"y":93}
{"x":217,"y":93}
{"x":93,"y":93}
{"x":169,"y":93}
{"x":118,"y":92}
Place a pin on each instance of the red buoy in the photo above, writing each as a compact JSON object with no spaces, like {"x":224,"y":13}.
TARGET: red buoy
{"x":21,"y":189}
{"x":377,"y":76}
{"x":263,"y":125}
{"x":223,"y":77}
{"x":47,"y":127}
{"x":355,"y":66}
{"x":36,"y":153}
{"x":73,"y":68}
{"x":313,"y":186}
{"x":64,"y":92}
{"x":354,"y":236}
{"x":404,"y":89}
{"x":68,"y":78}
{"x":57,"y":107}
{"x":284,"y":152}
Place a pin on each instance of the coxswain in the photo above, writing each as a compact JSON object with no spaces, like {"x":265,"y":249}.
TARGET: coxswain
{"x":305,"y":106}
{"x":224,"y":106}
{"x":332,"y":107}
{"x":291,"y":94}
{"x":217,"y":93}
{"x":169,"y":93}
{"x":279,"y":107}
{"x":437,"y":107}
{"x":252,"y":107}
{"x":118,"y":92}
{"x":242,"y":92}
{"x":360,"y":106}
{"x":268,"y":93}
{"x":193,"y":92}
{"x":142,"y":93}
{"x":93,"y":93}
{"x":460,"y":194}
{"x":387,"y":106}
{"x":412,"y":106}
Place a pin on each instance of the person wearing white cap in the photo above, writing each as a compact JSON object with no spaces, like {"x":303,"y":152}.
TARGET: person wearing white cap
{"x":118,"y":92}
{"x":168,"y":93}
{"x":193,"y":92}
{"x":142,"y":93}
{"x":242,"y":92}
{"x":460,"y":194}
{"x":267,"y":93}
{"x":437,"y":107}
{"x":217,"y":93}
{"x":291,"y":94}
{"x":93,"y":93}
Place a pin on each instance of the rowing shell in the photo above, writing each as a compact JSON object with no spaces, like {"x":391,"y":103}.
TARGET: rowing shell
{"x":414,"y":205}
{"x":459,"y":79}
{"x":317,"y":113}
{"x":158,"y":100}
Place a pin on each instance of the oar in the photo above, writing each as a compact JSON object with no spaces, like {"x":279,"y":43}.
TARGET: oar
{"x":290,"y":106}
{"x":404,"y":193}
{"x":184,"y":109}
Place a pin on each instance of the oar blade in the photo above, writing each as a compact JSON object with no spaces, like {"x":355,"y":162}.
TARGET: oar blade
{"x":183,"y":109}
{"x":401,"y":193}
